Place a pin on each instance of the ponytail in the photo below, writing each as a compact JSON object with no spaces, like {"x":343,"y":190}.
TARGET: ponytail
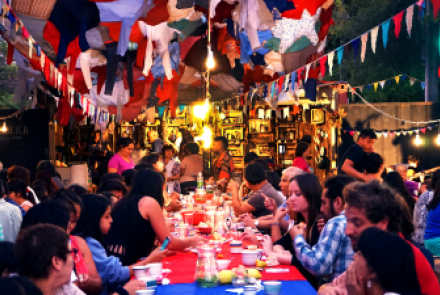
{"x":19,"y":186}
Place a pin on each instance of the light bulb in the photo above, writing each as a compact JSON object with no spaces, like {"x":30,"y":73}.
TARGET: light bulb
{"x":438,"y":139}
{"x":4,"y":128}
{"x":210,"y":62}
{"x":206,"y":137}
{"x":418,"y":140}
{"x":200,"y":111}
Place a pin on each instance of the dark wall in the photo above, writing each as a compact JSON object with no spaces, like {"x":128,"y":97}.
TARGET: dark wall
{"x":395,"y":150}
{"x":27,"y":140}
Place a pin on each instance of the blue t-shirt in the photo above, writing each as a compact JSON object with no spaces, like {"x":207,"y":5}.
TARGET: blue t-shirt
{"x":433,"y":224}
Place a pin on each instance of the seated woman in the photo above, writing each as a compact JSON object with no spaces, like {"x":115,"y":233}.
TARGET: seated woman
{"x":138,"y":220}
{"x":19,"y":193}
{"x":92,"y":226}
{"x":305,"y":200}
{"x":384,"y":264}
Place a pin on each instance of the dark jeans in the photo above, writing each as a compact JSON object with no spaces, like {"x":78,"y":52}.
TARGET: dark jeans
{"x":188,"y":186}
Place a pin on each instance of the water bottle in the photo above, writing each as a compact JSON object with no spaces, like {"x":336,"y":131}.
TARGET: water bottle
{"x":200,"y":180}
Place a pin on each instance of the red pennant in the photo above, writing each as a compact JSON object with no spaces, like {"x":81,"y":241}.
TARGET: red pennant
{"x":436,"y":6}
{"x":397,"y":22}
{"x":280,"y":84}
{"x":345,"y":131}
{"x":423,"y":130}
{"x":300,"y":74}
{"x":351,"y":133}
{"x":322,"y":62}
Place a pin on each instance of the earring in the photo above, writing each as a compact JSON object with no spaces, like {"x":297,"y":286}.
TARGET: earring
{"x":369,"y":284}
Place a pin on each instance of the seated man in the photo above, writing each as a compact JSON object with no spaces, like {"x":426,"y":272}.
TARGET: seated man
{"x":333,"y":253}
{"x":373,"y":167}
{"x":373,"y":205}
{"x":412,"y":186}
{"x":254,"y":179}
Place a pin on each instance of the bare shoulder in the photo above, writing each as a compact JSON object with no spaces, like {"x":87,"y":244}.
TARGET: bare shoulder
{"x":147,"y":204}
{"x":82,"y":244}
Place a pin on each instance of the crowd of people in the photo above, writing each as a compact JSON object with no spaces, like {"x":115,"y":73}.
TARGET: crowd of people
{"x":364,"y":231}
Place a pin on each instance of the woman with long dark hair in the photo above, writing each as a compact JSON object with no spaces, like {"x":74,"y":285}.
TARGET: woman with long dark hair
{"x":385,"y":262}
{"x":432,"y":232}
{"x":302,"y":153}
{"x":138,"y":220}
{"x":305,"y":200}
{"x":395,"y":181}
{"x":19,"y":193}
{"x":121,"y":161}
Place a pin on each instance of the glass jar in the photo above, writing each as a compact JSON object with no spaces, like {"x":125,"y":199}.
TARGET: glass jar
{"x":207,"y":269}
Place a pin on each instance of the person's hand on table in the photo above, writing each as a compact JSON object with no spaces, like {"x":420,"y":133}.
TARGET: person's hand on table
{"x":251,"y":238}
{"x":82,"y":281}
{"x":157,"y":255}
{"x":267,"y":245}
{"x":233,"y":188}
{"x":270,"y":204}
{"x":330,"y":290}
{"x":248,"y":220}
{"x":355,"y":284}
{"x":280,"y":214}
{"x":174,"y":206}
{"x":193,"y":241}
{"x":321,"y":224}
{"x":297,"y":230}
{"x":134,"y":285}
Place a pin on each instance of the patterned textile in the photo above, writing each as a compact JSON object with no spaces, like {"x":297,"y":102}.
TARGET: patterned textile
{"x":158,"y":69}
{"x":174,"y":170}
{"x":223,"y":166}
{"x":333,"y":252}
{"x":420,"y":217}
{"x":289,"y":30}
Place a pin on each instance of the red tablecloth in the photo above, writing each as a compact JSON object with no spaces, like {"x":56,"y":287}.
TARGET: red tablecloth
{"x":183,"y":267}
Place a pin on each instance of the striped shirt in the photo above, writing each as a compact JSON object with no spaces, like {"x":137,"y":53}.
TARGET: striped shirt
{"x":333,"y":252}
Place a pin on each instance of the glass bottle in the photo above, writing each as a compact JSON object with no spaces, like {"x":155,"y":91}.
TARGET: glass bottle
{"x":207,"y":269}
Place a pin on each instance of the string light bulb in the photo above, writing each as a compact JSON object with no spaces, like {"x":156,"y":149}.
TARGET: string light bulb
{"x":418,"y":140}
{"x":4,"y":128}
{"x":206,"y":137}
{"x":200,"y":111}
{"x":210,"y":62}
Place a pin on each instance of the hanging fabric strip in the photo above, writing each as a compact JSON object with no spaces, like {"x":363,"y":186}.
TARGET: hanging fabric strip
{"x":374,"y":33}
{"x":397,"y":78}
{"x":355,"y":45}
{"x":382,"y":84}
{"x":307,"y":72}
{"x":364,"y":39}
{"x":322,"y":62}
{"x":398,"y":22}
{"x":361,"y":88}
{"x":331,"y":56}
{"x":375,"y":86}
{"x":385,"y":29}
{"x":409,"y":17}
{"x":340,"y":52}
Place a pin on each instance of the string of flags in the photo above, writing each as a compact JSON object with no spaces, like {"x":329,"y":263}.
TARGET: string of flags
{"x":382,"y":83}
{"x":393,"y":133}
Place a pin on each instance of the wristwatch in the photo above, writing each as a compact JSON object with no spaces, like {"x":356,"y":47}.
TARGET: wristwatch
{"x":257,"y":222}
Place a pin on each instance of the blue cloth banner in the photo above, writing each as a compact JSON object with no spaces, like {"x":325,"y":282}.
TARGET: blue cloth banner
{"x":181,"y":107}
{"x":340,"y":52}
{"x":355,"y":45}
{"x":403,"y":77}
{"x":161,"y":110}
{"x":385,"y":29}
{"x":423,"y":85}
{"x":368,"y":87}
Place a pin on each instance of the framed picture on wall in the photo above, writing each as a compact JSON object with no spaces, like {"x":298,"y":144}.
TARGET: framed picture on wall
{"x":317,"y":116}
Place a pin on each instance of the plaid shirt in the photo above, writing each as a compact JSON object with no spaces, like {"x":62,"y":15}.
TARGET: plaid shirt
{"x":223,"y":166}
{"x":333,"y":252}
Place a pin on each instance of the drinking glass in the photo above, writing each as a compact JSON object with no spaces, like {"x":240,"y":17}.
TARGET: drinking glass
{"x":189,"y":219}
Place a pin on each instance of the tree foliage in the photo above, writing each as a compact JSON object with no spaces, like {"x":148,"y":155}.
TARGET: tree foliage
{"x":8,"y":79}
{"x":403,"y":55}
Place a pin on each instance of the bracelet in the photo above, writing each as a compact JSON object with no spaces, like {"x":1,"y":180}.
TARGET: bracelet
{"x":121,"y":291}
{"x":275,"y":223}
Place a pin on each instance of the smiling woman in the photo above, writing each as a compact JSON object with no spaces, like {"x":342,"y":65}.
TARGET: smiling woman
{"x":122,"y":161}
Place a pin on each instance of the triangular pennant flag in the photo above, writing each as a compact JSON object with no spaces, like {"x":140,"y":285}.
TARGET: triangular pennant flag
{"x":423,"y":130}
{"x":355,"y":45}
{"x":351,"y":132}
{"x":322,"y":62}
{"x":307,"y":72}
{"x":375,"y":86}
{"x":398,"y":22}
{"x":161,"y":110}
{"x":382,"y":84}
{"x":389,"y":82}
{"x":436,"y":6}
{"x":423,"y":85}
{"x":368,"y":87}
{"x":300,"y":74}
{"x":385,"y":29}
{"x":403,"y":77}
{"x":410,"y":132}
{"x":374,"y":33}
{"x":364,"y":40}
{"x":340,"y":52}
{"x":409,"y":17}
{"x":181,"y":107}
{"x":397,"y":78}
{"x":331,"y":56}
{"x":379,"y":134}
{"x":430,"y":127}
{"x":417,"y":131}
{"x":412,"y":81}
{"x":360,"y":88}
{"x":404,"y":133}
{"x":385,"y":134}
{"x":286,"y":83}
{"x":398,"y":133}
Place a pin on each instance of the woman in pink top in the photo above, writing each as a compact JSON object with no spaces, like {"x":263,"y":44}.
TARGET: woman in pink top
{"x":302,"y":152}
{"x":121,"y":161}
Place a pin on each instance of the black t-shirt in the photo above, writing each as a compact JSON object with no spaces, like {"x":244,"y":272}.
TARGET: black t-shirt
{"x":355,"y":154}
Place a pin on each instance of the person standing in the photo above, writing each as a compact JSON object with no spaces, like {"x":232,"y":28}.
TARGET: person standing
{"x":353,"y":161}
{"x":121,"y":161}
{"x":223,"y":164}
{"x":302,"y":153}
{"x":156,"y":142}
{"x":191,"y":166}
{"x":10,"y":218}
{"x":172,"y":168}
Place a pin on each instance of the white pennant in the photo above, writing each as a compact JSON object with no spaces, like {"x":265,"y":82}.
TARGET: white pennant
{"x":409,"y":17}
{"x":374,"y":33}
{"x":361,"y":88}
{"x":364,"y":40}
{"x":412,"y":81}
{"x":404,"y":133}
{"x":385,"y":134}
{"x":382,"y":84}
{"x":379,"y":134}
{"x":331,"y":56}
{"x":307,"y":72}
{"x":398,"y":133}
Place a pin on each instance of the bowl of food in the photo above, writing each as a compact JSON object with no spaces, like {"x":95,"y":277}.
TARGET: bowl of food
{"x":197,"y":217}
{"x":203,"y":228}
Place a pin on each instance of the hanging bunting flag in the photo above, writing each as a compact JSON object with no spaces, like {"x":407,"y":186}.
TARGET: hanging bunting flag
{"x":361,"y":88}
{"x":161,"y":110}
{"x":385,"y":134}
{"x":307,"y":72}
{"x":340,"y":52}
{"x":331,"y":56}
{"x":364,"y":40}
{"x":292,"y":84}
{"x":385,"y":29}
{"x":374,"y":33}
{"x":389,"y":82}
{"x":430,"y":127}
{"x":300,"y":74}
{"x":411,"y":81}
{"x":403,"y":77}
{"x":322,"y":62}
{"x":404,"y":133}
{"x":368,"y":87}
{"x":379,"y":134}
{"x":409,"y":17}
{"x":280,"y":84}
{"x":355,"y":45}
{"x":391,"y":134}
{"x":398,"y":22}
{"x":423,"y":130}
{"x":423,"y":85}
{"x":436,"y":7}
{"x":351,"y":133}
{"x":398,"y":133}
{"x":421,"y":5}
{"x":382,"y":84}
{"x":410,"y":132}
{"x":397,"y":78}
{"x":375,"y":86}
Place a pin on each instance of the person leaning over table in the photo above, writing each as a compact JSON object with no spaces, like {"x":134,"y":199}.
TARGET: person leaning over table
{"x":255,"y":179}
{"x":122,"y":161}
